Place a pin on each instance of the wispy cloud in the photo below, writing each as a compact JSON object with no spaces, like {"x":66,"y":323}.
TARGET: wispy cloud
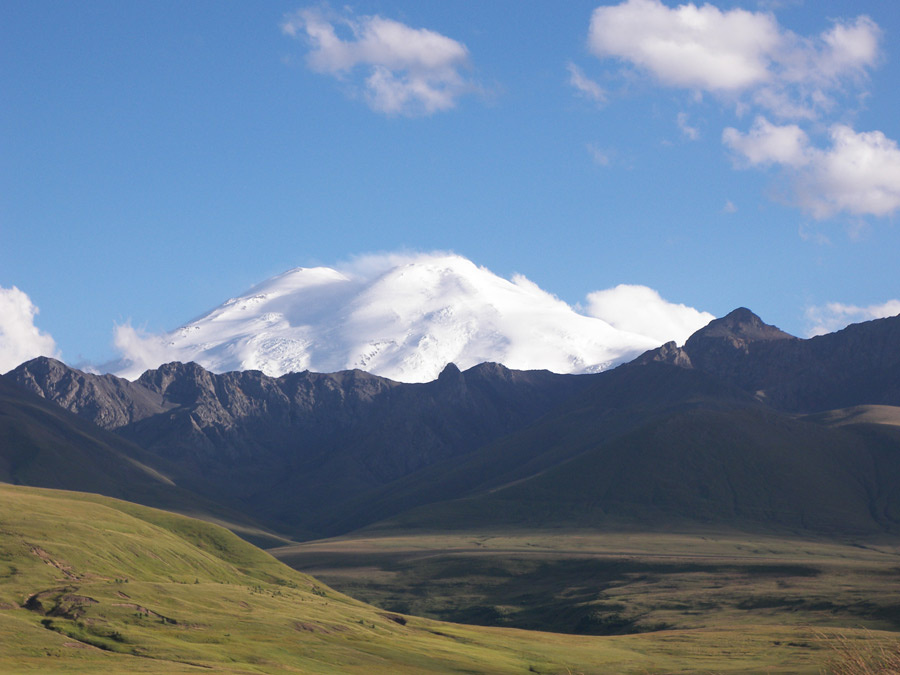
{"x":835,"y":315}
{"x":600,"y":156}
{"x":20,"y":339}
{"x":399,"y":69}
{"x":585,"y":86}
{"x":689,"y":132}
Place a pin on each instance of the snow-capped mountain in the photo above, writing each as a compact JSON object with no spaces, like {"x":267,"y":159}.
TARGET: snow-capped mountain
{"x":401,"y":318}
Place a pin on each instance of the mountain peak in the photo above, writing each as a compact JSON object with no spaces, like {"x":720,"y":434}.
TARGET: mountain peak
{"x":400,"y":317}
{"x":739,"y":325}
{"x":450,"y":372}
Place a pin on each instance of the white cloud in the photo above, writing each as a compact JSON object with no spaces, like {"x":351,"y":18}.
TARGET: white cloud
{"x":733,"y":52}
{"x":834,"y":315}
{"x":689,"y":46}
{"x":848,"y":48}
{"x":641,"y":310}
{"x":689,"y":132}
{"x":585,"y":85}
{"x":407,"y":71}
{"x":729,"y":207}
{"x":20,"y":339}
{"x":141,"y":350}
{"x":748,"y":59}
{"x":858,"y":174}
{"x":767,"y":144}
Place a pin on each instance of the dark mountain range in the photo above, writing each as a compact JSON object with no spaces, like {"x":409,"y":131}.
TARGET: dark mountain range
{"x":290,"y":449}
{"x":857,"y":365}
{"x":711,"y":432}
{"x":697,"y":464}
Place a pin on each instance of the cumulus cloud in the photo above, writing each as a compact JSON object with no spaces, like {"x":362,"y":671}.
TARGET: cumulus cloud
{"x":767,"y":144}
{"x":729,"y":53}
{"x":834,"y":315}
{"x":20,"y":339}
{"x":749,"y":60}
{"x":406,"y":71}
{"x":688,"y":46}
{"x":641,"y":310}
{"x":858,"y":174}
{"x":585,"y":86}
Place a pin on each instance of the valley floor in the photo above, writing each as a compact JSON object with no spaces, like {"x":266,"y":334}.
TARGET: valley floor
{"x":654,"y":584}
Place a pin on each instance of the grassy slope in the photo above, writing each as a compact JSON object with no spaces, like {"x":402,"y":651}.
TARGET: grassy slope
{"x":89,"y":584}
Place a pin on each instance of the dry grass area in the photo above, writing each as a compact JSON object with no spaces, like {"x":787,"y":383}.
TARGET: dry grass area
{"x":92,"y":585}
{"x":861,"y":654}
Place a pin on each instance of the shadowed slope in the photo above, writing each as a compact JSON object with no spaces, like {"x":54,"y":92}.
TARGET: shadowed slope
{"x":45,"y":446}
{"x":289,"y":450}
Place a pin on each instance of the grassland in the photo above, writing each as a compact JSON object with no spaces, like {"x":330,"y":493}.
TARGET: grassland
{"x":614,"y":583}
{"x":93,"y":585}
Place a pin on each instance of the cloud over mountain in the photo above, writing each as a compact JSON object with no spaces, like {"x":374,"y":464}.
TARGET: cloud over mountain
{"x":639,"y":309}
{"x":405,"y":317}
{"x":835,"y":315}
{"x":20,"y":339}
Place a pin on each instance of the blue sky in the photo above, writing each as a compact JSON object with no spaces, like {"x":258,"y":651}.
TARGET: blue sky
{"x":158,"y":158}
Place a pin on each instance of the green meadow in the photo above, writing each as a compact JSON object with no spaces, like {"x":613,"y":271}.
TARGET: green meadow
{"x":90,"y":584}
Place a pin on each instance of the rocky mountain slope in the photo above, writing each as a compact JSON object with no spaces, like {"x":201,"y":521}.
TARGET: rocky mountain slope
{"x":289,"y":449}
{"x":857,"y":365}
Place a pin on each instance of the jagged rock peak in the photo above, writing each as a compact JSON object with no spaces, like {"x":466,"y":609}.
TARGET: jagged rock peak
{"x":740,"y":324}
{"x":668,"y":353}
{"x":450,"y":371}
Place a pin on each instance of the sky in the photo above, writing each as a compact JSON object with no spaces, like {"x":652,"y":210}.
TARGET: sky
{"x":158,"y":158}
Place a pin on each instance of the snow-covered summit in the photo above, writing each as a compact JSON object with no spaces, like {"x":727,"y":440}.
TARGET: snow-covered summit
{"x":400,"y":317}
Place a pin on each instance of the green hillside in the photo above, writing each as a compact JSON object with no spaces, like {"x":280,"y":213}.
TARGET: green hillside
{"x":90,"y":584}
